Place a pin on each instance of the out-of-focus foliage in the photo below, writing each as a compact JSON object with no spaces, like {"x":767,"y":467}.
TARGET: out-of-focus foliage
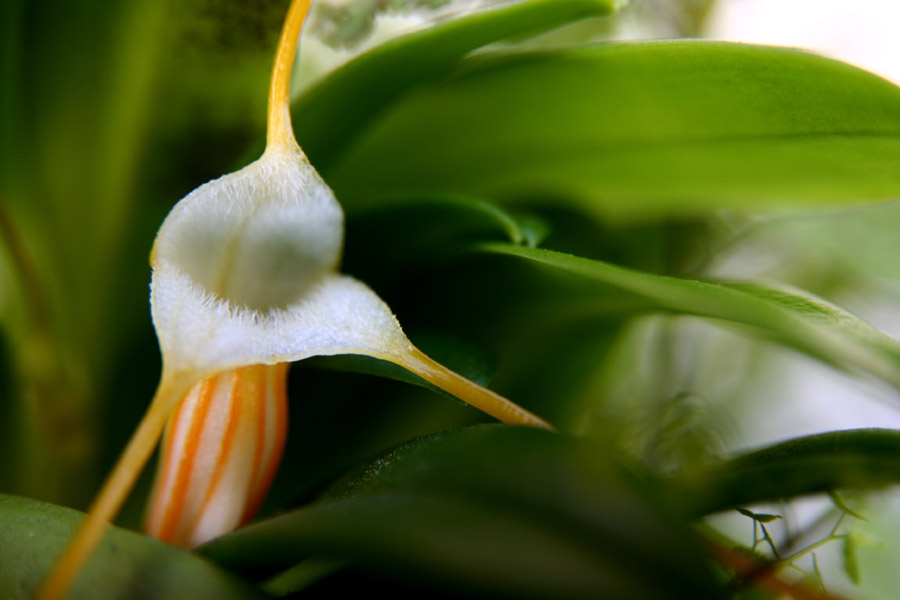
{"x":126,"y":565}
{"x":529,"y":203}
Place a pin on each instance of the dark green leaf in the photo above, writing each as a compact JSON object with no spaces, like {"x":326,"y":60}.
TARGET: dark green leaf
{"x":302,"y":576}
{"x":765,"y":518}
{"x":490,"y":509}
{"x":10,"y":419}
{"x":331,"y":115}
{"x":638,"y":130}
{"x":758,"y":517}
{"x":861,"y":458}
{"x":797,"y":319}
{"x":423,"y":229}
{"x":126,"y":565}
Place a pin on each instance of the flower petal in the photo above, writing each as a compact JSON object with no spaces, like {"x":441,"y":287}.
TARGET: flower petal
{"x":220,"y":451}
{"x":259,"y":237}
{"x":245,"y":273}
{"x":201,"y":334}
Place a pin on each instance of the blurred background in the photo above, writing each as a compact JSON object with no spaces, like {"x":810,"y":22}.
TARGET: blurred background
{"x":112,"y":111}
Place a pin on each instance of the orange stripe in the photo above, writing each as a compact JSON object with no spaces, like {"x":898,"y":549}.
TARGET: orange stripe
{"x":166,"y":468}
{"x":260,"y":441}
{"x":173,"y":425}
{"x":176,"y":500}
{"x":280,"y":372}
{"x":227,"y":442}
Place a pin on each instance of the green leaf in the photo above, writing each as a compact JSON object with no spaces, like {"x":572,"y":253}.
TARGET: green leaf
{"x":860,"y":458}
{"x":126,"y":565}
{"x":10,"y":419}
{"x":851,"y":562}
{"x":837,"y":501}
{"x":793,"y":317}
{"x":421,"y":229}
{"x":331,"y":115}
{"x":637,"y":130}
{"x":489,"y":509}
{"x":758,"y":517}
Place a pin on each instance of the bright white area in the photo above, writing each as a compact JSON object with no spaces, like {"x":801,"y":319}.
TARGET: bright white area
{"x":865,"y":33}
{"x":805,"y":397}
{"x":320,"y":58}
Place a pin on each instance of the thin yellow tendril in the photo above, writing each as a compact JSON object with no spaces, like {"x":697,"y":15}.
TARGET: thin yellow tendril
{"x":279,"y":130}
{"x":113,"y":493}
{"x":468,"y":391}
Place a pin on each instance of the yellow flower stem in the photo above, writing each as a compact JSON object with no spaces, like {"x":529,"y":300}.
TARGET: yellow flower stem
{"x":280,"y":134}
{"x":115,"y":490}
{"x":468,"y":391}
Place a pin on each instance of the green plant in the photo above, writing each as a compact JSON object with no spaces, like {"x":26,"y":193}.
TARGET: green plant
{"x":546,"y":218}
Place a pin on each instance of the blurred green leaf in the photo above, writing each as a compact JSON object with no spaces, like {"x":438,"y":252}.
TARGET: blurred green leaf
{"x":126,"y":566}
{"x":837,"y":501}
{"x":331,"y":116}
{"x":758,"y":517}
{"x":637,"y":130}
{"x":794,"y":318}
{"x":9,"y":419}
{"x":494,"y":509}
{"x":851,"y":560}
{"x":859,"y":458}
{"x":77,"y":84}
{"x":425,"y":229}
{"x":213,"y":90}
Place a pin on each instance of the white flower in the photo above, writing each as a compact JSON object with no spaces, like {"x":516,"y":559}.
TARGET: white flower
{"x":244,"y":275}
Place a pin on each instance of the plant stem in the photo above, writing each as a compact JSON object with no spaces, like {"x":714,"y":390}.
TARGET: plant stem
{"x":279,"y":133}
{"x":749,"y":569}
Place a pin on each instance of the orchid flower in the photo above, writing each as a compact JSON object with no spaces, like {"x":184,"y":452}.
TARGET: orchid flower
{"x":245,"y":280}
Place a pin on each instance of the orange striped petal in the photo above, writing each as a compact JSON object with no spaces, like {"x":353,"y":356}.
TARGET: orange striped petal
{"x":221,"y":449}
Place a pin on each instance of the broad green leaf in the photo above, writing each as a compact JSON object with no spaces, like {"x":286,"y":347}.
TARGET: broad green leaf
{"x":489,"y":509}
{"x":339,"y":109}
{"x":637,"y":130}
{"x":126,"y":565}
{"x":859,"y":458}
{"x":792,"y":317}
